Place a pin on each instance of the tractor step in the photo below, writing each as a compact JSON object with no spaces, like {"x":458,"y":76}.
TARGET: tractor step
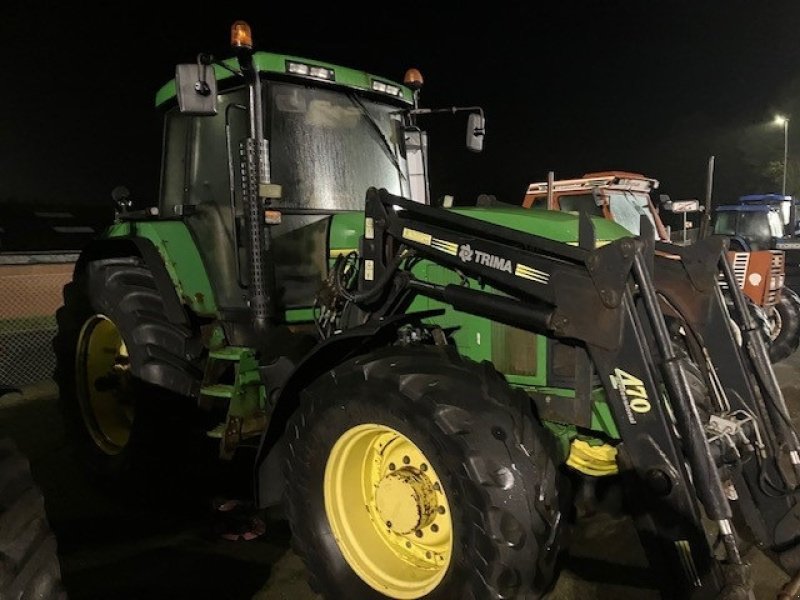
{"x":231,"y":353}
{"x":218,"y":390}
{"x":218,"y":432}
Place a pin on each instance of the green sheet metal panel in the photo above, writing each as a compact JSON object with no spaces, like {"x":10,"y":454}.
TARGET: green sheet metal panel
{"x":181,"y":258}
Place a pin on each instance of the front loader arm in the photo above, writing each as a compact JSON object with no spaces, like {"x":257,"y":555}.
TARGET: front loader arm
{"x":604,"y":300}
{"x":743,"y":383}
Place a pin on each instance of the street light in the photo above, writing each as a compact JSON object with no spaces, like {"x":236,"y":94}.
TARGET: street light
{"x":784,"y":121}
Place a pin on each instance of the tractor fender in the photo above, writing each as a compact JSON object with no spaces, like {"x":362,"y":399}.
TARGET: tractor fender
{"x":325,"y":356}
{"x":739,"y":243}
{"x":147,"y":251}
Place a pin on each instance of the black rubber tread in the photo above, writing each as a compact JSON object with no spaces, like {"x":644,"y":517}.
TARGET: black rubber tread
{"x":762,"y":320}
{"x":165,"y":356}
{"x":505,"y":491}
{"x":788,"y":339}
{"x":29,"y":568}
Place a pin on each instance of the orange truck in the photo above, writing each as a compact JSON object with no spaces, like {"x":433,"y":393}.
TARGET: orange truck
{"x":625,"y":197}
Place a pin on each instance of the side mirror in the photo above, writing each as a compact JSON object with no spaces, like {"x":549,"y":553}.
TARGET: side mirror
{"x":196,"y":88}
{"x":476,"y":130}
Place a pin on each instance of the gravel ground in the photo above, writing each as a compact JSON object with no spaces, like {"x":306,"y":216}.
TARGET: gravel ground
{"x":136,"y":545}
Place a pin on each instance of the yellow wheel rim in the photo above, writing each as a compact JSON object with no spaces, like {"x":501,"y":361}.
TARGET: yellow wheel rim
{"x":101,"y":368}
{"x":402,"y":543}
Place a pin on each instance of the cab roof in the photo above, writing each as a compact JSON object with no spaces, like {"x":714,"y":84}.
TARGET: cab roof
{"x":621,"y":180}
{"x":745,"y":208}
{"x":764,"y":198}
{"x":267,"y":62}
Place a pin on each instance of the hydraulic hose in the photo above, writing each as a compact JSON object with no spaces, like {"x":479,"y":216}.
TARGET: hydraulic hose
{"x":536,"y":317}
{"x":757,"y":352}
{"x":708,"y":483}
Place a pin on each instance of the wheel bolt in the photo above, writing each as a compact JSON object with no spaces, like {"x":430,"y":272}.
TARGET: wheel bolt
{"x":392,"y":467}
{"x":441,"y":510}
{"x":406,"y":460}
{"x":434,"y":528}
{"x":423,"y":467}
{"x":418,"y":533}
{"x":389,"y":524}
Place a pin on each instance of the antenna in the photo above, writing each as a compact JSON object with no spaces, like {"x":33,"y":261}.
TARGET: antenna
{"x":705,"y":218}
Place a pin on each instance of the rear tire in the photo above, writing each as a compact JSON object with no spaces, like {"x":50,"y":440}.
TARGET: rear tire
{"x":29,"y":568}
{"x":786,"y":318}
{"x":506,"y":500}
{"x":113,"y":323}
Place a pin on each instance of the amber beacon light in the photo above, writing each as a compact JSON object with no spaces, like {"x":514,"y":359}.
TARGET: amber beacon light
{"x":241,"y":36}
{"x":413,"y":79}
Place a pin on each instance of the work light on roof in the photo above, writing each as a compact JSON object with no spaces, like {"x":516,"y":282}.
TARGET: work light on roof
{"x":306,"y":70}
{"x":297,"y":68}
{"x":386,"y":88}
{"x":321,"y":73}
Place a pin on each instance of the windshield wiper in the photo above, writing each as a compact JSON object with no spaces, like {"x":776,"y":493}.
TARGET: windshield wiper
{"x":387,"y":147}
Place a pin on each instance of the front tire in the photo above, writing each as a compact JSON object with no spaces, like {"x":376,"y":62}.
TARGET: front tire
{"x":413,"y":472}
{"x":112,"y":325}
{"x":785,"y":324}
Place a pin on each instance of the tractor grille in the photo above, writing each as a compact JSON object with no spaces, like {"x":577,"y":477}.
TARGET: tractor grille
{"x":776,"y":277}
{"x":739,"y":263}
{"x":741,"y":260}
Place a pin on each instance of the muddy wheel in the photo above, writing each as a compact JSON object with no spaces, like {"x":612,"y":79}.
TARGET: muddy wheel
{"x":29,"y":568}
{"x":113,"y":320}
{"x":784,"y":326}
{"x":416,"y":473}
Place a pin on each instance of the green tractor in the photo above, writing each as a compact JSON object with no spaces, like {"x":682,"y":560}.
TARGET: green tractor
{"x":213,"y":291}
{"x":424,"y":385}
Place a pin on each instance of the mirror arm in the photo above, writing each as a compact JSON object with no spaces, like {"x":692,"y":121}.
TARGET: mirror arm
{"x":201,"y":85}
{"x":451,"y":110}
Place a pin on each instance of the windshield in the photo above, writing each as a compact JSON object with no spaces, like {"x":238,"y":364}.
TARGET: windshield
{"x":627,"y":209}
{"x":579,"y":203}
{"x":725,"y":223}
{"x":327,"y":147}
{"x":759,"y":227}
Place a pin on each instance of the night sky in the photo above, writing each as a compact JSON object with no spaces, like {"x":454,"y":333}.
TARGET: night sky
{"x":653,"y":87}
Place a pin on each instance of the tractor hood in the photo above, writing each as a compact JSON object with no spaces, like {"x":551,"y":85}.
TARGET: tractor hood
{"x":557,"y":226}
{"x":347,"y":228}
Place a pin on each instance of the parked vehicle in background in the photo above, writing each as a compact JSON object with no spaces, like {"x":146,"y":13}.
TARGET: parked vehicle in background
{"x":625,"y":197}
{"x":619,"y":196}
{"x":750,"y":226}
{"x":782,"y":233}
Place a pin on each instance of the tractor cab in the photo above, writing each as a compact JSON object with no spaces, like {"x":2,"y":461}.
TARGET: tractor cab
{"x":328,"y":133}
{"x":750,"y":226}
{"x":305,"y":138}
{"x":615,"y":195}
{"x":787,"y":206}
